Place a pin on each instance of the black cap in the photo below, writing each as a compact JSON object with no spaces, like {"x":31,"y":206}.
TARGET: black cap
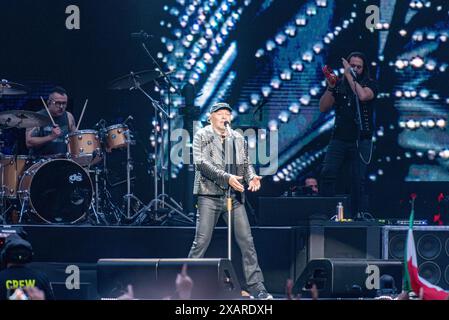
{"x":219,"y":106}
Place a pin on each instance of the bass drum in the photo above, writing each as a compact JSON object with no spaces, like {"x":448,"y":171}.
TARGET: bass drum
{"x":57,"y":191}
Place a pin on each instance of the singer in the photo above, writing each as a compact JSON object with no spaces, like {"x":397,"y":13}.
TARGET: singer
{"x":49,"y":140}
{"x":351,"y":142}
{"x":211,"y":184}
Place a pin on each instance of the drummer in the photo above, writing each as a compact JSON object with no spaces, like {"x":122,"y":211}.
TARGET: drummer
{"x":49,"y":140}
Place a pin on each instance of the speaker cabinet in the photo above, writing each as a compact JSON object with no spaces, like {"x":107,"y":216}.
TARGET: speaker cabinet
{"x":155,"y":278}
{"x":432,"y":250}
{"x":346,"y":278}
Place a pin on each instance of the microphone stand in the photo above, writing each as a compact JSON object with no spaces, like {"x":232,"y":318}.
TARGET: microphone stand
{"x":158,"y":198}
{"x":229,"y":145}
{"x":161,"y":198}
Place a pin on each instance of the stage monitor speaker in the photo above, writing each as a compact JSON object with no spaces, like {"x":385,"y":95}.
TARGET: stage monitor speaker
{"x":348,"y":278}
{"x":155,"y":278}
{"x":432,"y":250}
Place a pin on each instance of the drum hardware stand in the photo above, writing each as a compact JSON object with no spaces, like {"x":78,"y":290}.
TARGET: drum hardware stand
{"x":24,"y":204}
{"x":159,"y":152}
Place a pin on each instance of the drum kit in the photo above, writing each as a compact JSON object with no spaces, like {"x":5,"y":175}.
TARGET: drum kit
{"x":65,"y":189}
{"x":59,"y":189}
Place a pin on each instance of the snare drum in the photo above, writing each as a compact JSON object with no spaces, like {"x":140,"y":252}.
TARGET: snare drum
{"x":84,"y":147}
{"x":56,"y":191}
{"x":12,"y":169}
{"x":117,"y":136}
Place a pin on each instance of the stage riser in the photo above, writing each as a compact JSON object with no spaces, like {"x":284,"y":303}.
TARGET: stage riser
{"x":283,"y":252}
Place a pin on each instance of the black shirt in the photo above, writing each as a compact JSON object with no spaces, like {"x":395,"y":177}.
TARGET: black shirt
{"x":346,"y":127}
{"x":20,"y":277}
{"x":57,"y":146}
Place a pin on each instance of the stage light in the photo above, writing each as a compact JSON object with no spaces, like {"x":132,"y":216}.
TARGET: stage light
{"x":424,"y":93}
{"x":266,"y":90}
{"x":444,"y":154}
{"x":431,"y":154}
{"x":443,"y":67}
{"x":275,"y":83}
{"x":290,"y":31}
{"x":400,"y":64}
{"x":398,"y":93}
{"x":284,"y":116}
{"x":297,"y":66}
{"x":418,"y":36}
{"x":307,"y":56}
{"x":443,"y":37}
{"x":380,"y":172}
{"x":403,"y":32}
{"x":276,"y":179}
{"x":273,"y":125}
{"x":294,"y":108}
{"x":209,"y":33}
{"x":270,"y":45}
{"x":419,"y":154}
{"x":311,"y":11}
{"x":255,"y":98}
{"x":300,"y":20}
{"x":280,"y":38}
{"x":317,"y":48}
{"x":314,"y":91}
{"x":321,"y":3}
{"x":305,"y":100}
{"x":435,"y":96}
{"x":408,"y":155}
{"x":441,"y":123}
{"x":259,"y":53}
{"x":411,"y":124}
{"x":431,"y":65}
{"x":286,"y":75}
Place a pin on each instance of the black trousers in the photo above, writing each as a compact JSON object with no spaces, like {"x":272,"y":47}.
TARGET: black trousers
{"x":340,"y":153}
{"x":209,"y":211}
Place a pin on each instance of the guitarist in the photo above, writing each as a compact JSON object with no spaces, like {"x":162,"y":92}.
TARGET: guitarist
{"x":351,"y":141}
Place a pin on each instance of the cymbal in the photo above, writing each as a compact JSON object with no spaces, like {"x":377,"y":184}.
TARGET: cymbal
{"x":23,"y":119}
{"x":128,"y":82}
{"x":8,"y":88}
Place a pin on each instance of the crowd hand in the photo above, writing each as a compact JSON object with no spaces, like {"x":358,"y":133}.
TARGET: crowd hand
{"x":346,"y":66}
{"x":34,"y":293}
{"x":235,"y":184}
{"x":254,"y":184}
{"x":184,"y":284}
{"x":129,"y":295}
{"x":56,"y":132}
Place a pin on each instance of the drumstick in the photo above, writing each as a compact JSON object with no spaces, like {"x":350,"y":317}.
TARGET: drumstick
{"x":48,"y":111}
{"x":82,"y":114}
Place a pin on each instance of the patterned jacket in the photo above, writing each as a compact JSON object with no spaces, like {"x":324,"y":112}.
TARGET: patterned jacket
{"x":211,"y":177}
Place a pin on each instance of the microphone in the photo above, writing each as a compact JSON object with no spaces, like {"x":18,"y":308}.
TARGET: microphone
{"x":228,"y":128}
{"x":354,"y":75}
{"x":142,"y":35}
